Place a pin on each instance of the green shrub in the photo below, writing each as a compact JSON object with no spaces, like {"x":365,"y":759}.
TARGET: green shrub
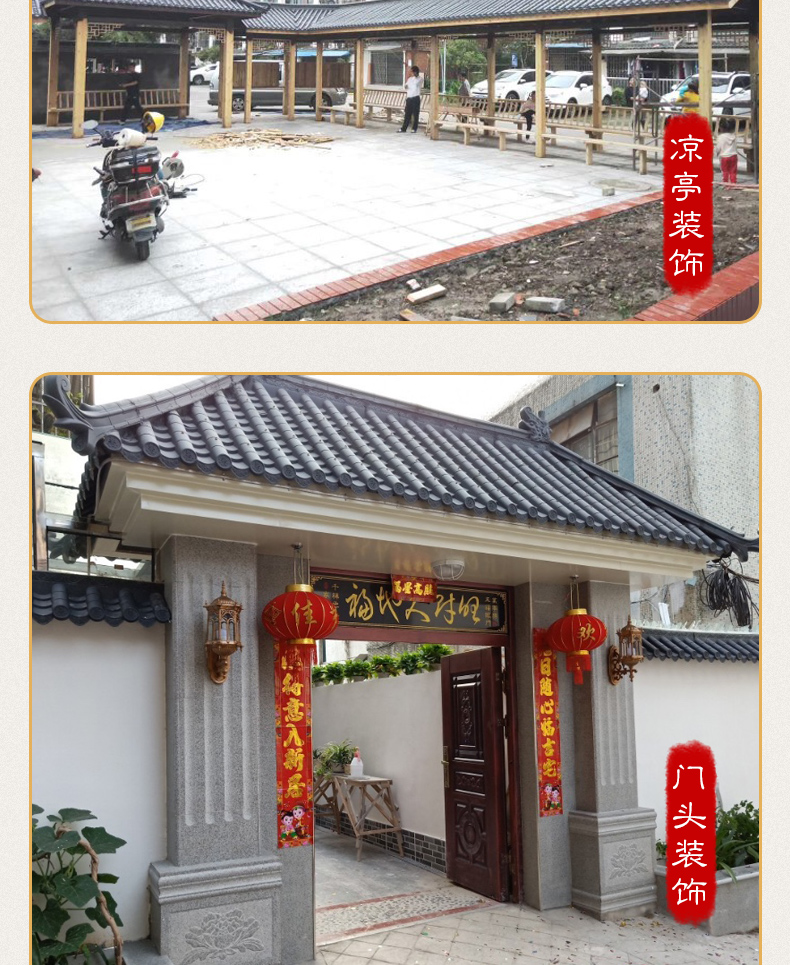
{"x":357,"y":668}
{"x":383,"y":663}
{"x":411,"y":662}
{"x":334,"y":673}
{"x":661,"y":850}
{"x":318,"y":675}
{"x":432,"y":653}
{"x":618,"y":97}
{"x":333,"y":755}
{"x":737,"y":837}
{"x":66,"y":878}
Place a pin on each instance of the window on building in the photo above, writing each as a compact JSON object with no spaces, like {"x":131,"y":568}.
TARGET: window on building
{"x":591,"y":431}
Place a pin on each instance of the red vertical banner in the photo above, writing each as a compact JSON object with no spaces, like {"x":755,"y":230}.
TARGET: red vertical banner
{"x":294,"y":737}
{"x":691,"y":832}
{"x":547,"y":716}
{"x":688,"y":203}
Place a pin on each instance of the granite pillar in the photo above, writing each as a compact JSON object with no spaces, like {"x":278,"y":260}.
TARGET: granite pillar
{"x":545,"y":841}
{"x":612,"y":839}
{"x":218,"y":893}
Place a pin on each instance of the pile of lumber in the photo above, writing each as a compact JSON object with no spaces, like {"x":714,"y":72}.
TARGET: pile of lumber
{"x":260,"y":138}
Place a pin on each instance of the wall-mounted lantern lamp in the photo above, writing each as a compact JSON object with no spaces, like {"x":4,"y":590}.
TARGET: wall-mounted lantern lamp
{"x":623,"y":660}
{"x":223,"y":635}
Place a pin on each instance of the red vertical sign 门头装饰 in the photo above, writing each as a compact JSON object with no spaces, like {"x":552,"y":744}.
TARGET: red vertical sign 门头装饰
{"x":691,"y":832}
{"x":293,"y":730}
{"x":688,"y":204}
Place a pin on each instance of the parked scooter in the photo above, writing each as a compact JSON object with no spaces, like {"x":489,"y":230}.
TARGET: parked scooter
{"x":136,"y":185}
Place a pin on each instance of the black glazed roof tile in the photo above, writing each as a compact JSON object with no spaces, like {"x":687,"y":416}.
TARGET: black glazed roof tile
{"x":58,"y":596}
{"x":296,"y":431}
{"x":700,"y":645}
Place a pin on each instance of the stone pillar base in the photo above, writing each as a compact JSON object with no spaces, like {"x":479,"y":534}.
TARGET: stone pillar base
{"x":200,"y":911}
{"x":612,"y":862}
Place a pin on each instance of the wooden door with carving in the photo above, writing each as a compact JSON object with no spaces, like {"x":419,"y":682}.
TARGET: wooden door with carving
{"x":474,"y":772}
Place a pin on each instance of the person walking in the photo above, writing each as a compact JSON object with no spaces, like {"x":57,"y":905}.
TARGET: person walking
{"x":132,"y":97}
{"x":688,"y":97}
{"x":464,"y":90}
{"x":727,"y":149}
{"x":529,"y":111}
{"x":413,"y":91}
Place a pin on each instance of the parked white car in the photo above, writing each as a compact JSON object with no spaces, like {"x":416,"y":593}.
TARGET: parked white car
{"x":575,"y":87}
{"x":513,"y":84}
{"x":203,"y":73}
{"x":730,"y":93}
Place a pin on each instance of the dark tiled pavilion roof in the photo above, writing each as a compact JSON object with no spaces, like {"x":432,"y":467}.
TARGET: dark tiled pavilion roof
{"x":232,"y":8}
{"x":700,"y":645}
{"x":299,"y":432}
{"x":57,"y":596}
{"x":394,"y":13}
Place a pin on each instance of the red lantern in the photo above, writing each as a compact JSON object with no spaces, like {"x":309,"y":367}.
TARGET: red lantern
{"x":299,"y":615}
{"x":575,"y":635}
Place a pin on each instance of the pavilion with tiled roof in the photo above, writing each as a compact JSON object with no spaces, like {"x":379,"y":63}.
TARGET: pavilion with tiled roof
{"x":418,"y":22}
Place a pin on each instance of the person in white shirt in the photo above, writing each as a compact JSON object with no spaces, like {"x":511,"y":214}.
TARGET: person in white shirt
{"x":413,"y":91}
{"x":727,"y":149}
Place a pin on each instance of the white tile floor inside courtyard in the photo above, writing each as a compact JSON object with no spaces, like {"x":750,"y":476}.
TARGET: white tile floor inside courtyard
{"x":270,"y":221}
{"x":499,"y":934}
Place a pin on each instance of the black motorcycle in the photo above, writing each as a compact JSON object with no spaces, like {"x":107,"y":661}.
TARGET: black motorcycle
{"x":136,"y":186}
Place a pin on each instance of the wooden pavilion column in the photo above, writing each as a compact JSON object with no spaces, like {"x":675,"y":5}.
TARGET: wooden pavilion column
{"x":183,"y":72}
{"x":80,"y":66}
{"x":540,"y":94}
{"x":248,"y":80}
{"x":54,"y":69}
{"x":597,"y":72}
{"x":319,"y":81}
{"x":359,"y":82}
{"x":226,"y":78}
{"x":705,"y":54}
{"x":436,"y":75}
{"x":289,"y":77}
{"x":753,"y":159}
{"x":491,"y":64}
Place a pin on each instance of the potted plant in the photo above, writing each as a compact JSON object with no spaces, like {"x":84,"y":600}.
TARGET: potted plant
{"x":318,"y":675}
{"x":432,"y":654}
{"x":357,"y":670}
{"x":738,"y":872}
{"x":66,"y":878}
{"x":411,"y":662}
{"x":383,"y":665}
{"x":337,"y":757}
{"x":334,"y":673}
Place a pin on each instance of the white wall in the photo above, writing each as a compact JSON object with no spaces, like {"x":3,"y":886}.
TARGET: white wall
{"x":98,"y":715}
{"x":716,"y":703}
{"x":397,"y":724}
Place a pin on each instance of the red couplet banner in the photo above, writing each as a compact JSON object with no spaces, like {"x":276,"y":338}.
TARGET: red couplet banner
{"x":547,"y":714}
{"x":688,"y":203}
{"x":691,"y":832}
{"x":294,"y":737}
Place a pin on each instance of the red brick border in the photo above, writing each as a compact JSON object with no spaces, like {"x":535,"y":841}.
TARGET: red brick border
{"x":733,"y":295}
{"x":268,"y":311}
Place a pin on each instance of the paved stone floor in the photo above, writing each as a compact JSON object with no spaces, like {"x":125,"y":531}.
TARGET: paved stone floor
{"x":491,"y":934}
{"x":271,"y":221}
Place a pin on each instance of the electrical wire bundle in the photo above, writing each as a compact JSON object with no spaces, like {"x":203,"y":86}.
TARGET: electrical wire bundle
{"x":723,"y":590}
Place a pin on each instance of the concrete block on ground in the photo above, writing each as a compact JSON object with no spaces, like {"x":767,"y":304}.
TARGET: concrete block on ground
{"x":502,"y":302}
{"x":413,"y":285}
{"x":607,"y":192}
{"x":537,"y":303}
{"x":426,"y":294}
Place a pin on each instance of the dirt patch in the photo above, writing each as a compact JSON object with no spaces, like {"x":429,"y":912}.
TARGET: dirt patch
{"x":605,"y":270}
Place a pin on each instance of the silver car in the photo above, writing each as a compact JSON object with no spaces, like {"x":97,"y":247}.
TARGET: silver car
{"x":273,"y":96}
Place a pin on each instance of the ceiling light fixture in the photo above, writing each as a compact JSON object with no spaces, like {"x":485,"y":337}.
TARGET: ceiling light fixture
{"x":448,"y":569}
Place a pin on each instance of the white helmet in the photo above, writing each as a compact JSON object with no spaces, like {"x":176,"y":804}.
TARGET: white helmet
{"x":127,"y":137}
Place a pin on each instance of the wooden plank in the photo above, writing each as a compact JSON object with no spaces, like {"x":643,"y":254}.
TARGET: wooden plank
{"x":247,"y":81}
{"x":359,"y":82}
{"x":183,"y":74}
{"x":226,"y":78}
{"x":52,"y":78}
{"x":426,"y":294}
{"x":540,"y":94}
{"x":491,"y":74}
{"x":705,"y":54}
{"x":598,"y":70}
{"x":436,"y":73}
{"x":319,"y":81}
{"x":80,"y":66}
{"x":290,"y":69}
